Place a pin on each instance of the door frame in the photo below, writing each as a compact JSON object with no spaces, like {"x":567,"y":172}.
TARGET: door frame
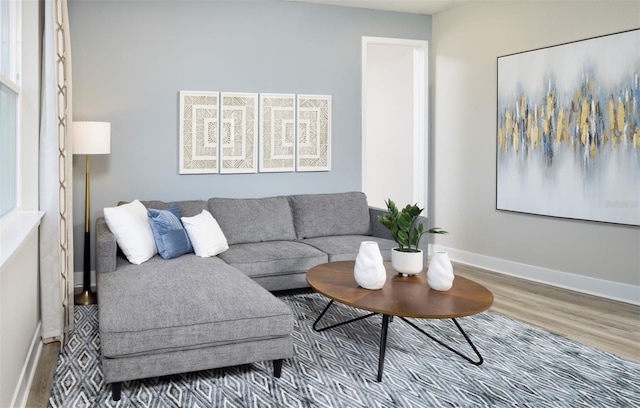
{"x":420,"y":111}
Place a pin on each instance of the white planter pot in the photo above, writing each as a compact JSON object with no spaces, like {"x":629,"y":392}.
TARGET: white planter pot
{"x":407,"y":263}
{"x":440,"y":273}
{"x":369,"y":271}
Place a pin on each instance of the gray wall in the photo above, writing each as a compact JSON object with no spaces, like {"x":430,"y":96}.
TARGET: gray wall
{"x":131,"y":58}
{"x":467,"y":40}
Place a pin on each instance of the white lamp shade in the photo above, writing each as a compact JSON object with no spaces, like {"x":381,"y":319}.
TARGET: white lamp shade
{"x":91,"y":137}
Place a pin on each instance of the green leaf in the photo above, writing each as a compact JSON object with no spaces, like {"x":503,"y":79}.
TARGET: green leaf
{"x":402,"y":225}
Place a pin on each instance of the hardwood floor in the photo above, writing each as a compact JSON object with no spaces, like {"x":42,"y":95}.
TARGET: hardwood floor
{"x":605,"y":324}
{"x":41,"y":385}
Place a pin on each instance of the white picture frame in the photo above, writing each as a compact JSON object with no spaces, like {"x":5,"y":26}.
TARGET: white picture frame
{"x":313,"y":133}
{"x":238,"y":132}
{"x":277,"y":138}
{"x":199,"y":132}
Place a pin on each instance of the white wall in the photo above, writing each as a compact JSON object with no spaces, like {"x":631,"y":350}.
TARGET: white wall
{"x":19,"y":321}
{"x":591,"y":257}
{"x":20,"y":343}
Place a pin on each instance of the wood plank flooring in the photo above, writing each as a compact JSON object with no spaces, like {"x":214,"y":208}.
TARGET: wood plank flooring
{"x":605,"y":324}
{"x":41,"y":385}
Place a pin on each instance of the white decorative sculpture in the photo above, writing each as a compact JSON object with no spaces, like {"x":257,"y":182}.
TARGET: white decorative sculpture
{"x":440,"y":273}
{"x":369,"y":271}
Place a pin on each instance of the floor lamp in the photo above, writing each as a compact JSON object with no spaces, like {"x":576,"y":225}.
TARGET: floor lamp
{"x":89,"y":138}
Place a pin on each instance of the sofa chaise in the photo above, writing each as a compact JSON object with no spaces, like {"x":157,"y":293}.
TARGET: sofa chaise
{"x":189,"y":313}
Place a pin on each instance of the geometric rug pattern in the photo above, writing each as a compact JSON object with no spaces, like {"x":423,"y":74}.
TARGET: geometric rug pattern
{"x":523,"y":366}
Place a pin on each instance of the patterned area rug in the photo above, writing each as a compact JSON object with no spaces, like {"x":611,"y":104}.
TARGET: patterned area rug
{"x":524,"y":366}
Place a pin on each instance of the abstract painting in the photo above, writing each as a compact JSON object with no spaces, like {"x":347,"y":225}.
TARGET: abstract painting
{"x":239,"y":132}
{"x":568,"y":130}
{"x":313,"y":137}
{"x":199,"y":127}
{"x":277,"y":133}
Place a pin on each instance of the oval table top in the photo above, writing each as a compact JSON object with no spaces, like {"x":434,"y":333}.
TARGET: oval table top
{"x":400,"y":296}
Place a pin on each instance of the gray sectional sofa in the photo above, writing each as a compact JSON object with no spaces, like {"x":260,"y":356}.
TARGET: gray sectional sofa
{"x":190,"y":313}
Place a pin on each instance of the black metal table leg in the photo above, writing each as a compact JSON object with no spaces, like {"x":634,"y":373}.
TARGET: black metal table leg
{"x":479,"y":362}
{"x":383,"y":336}
{"x":277,"y":367}
{"x":315,"y":324}
{"x":383,"y":345}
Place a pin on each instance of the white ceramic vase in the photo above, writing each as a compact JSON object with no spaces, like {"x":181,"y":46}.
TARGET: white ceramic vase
{"x":440,"y":273}
{"x":369,"y":271}
{"x":407,"y":263}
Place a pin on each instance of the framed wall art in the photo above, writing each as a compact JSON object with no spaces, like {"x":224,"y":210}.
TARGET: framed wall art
{"x":313,"y":136}
{"x":199,"y":132}
{"x":238,"y":132}
{"x":568,"y":130}
{"x":277,"y":144}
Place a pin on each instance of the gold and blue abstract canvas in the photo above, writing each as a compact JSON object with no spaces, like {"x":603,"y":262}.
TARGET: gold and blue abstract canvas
{"x":568,"y":130}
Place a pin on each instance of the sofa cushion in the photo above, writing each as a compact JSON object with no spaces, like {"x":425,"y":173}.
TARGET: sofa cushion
{"x":130,"y":226}
{"x":170,"y":236}
{"x":184,"y":303}
{"x":321,"y":215}
{"x":346,"y":247}
{"x":188,"y":208}
{"x":205,"y":234}
{"x":273,"y":258}
{"x":253,"y":219}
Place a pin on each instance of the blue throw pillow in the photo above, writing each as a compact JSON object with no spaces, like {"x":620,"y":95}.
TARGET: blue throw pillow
{"x":170,"y":236}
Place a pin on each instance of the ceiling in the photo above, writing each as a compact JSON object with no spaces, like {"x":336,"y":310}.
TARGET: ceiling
{"x":428,"y":7}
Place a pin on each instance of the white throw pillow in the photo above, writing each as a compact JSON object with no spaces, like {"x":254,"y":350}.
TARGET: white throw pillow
{"x":130,"y":225}
{"x":205,"y":234}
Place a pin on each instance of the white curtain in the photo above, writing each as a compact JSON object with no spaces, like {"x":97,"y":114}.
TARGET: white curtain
{"x":56,"y":230}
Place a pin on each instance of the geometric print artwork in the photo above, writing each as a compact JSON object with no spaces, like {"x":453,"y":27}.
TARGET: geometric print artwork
{"x":199,"y":127}
{"x":230,"y":132}
{"x":313,"y":133}
{"x":524,"y":366}
{"x":277,"y":133}
{"x":239,"y":133}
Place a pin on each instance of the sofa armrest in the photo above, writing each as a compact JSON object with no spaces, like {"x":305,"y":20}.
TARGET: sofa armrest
{"x":106,"y":247}
{"x":380,"y":231}
{"x":377,"y":229}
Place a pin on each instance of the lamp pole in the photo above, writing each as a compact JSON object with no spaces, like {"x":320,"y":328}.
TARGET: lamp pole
{"x":86,"y":297}
{"x":89,"y":138}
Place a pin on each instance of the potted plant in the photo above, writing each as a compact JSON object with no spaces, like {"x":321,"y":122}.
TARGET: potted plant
{"x":407,"y":258}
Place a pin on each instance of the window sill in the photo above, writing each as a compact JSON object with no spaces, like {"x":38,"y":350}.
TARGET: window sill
{"x":14,"y":231}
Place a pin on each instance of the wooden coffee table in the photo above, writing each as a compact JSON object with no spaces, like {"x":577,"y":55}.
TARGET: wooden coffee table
{"x":405,"y":297}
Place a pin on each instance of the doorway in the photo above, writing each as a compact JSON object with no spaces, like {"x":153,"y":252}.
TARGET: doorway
{"x":394,"y":121}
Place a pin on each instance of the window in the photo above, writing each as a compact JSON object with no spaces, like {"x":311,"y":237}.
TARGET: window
{"x":9,"y":104}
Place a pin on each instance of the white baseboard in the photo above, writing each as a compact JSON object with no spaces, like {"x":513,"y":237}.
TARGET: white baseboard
{"x":21,"y":393}
{"x":598,"y":287}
